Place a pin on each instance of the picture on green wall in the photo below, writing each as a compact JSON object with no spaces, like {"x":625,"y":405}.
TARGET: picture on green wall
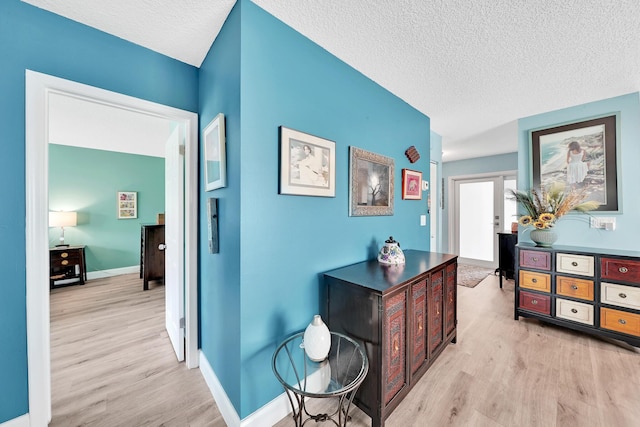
{"x":127,"y":204}
{"x":307,"y":164}
{"x":371,"y":183}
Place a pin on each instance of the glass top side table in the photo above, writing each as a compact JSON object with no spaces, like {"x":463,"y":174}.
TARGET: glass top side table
{"x":339,"y":376}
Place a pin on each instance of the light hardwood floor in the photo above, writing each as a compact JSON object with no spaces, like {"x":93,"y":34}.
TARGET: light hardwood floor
{"x":112,"y":365}
{"x":504,"y":373}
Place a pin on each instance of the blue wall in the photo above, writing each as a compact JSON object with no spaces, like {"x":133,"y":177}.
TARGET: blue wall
{"x":575,"y":232}
{"x":479,"y":165}
{"x":110,"y":242}
{"x":286,"y":241}
{"x":31,"y":38}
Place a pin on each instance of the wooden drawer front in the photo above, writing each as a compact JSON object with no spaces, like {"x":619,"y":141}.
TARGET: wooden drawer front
{"x":450,"y":301}
{"x":419,"y":341}
{"x":576,"y":311}
{"x":624,"y":296}
{"x":620,"y":321}
{"x":620,"y":269}
{"x":535,"y":302}
{"x":435,"y":307}
{"x":72,"y":257}
{"x":535,"y":259}
{"x":394,"y":345}
{"x":576,"y":288}
{"x":582,"y":265}
{"x":537,"y":281}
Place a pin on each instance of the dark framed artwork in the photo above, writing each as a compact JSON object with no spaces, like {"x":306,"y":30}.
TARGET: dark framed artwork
{"x":583,"y":155}
{"x":307,"y":164}
{"x":371,"y":183}
{"x":411,"y":185}
{"x":212,"y":225}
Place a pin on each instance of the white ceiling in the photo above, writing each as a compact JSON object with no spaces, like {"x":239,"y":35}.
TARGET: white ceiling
{"x":474,"y":67}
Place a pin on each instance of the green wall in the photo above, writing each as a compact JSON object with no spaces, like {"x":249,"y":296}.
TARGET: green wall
{"x":87,"y":181}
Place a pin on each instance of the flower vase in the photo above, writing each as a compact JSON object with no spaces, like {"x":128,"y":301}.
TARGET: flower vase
{"x":317,"y":339}
{"x":543,"y":237}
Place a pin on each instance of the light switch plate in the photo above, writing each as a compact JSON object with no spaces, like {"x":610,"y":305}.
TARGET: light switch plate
{"x":423,"y":220}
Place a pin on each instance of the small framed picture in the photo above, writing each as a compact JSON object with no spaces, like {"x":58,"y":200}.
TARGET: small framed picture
{"x":411,"y":184}
{"x":307,"y":164}
{"x":127,"y":204}
{"x":215,"y":172}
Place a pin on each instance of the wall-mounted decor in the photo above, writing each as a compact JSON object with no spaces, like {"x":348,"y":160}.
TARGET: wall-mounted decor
{"x":212,"y":225}
{"x":371,"y":183}
{"x":215,"y":172}
{"x":582,"y":155}
{"x":412,"y":154}
{"x":307,"y":164}
{"x":127,"y":204}
{"x":411,"y":184}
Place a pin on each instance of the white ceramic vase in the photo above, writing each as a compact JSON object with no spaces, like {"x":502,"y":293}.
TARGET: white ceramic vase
{"x":317,"y":339}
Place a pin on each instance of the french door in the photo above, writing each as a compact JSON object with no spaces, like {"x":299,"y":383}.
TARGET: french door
{"x":480,"y":211}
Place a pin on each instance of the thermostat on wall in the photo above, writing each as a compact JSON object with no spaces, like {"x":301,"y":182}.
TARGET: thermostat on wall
{"x":425,"y":185}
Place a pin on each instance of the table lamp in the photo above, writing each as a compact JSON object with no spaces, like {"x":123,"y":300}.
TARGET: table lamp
{"x":62,"y":220}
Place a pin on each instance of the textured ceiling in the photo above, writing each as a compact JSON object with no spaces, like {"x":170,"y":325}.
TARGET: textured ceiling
{"x":473,"y":66}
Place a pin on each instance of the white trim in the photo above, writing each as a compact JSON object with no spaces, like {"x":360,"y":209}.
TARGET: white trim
{"x":270,"y":414}
{"x":112,"y":272}
{"x":37,"y":90}
{"x":22,"y":421}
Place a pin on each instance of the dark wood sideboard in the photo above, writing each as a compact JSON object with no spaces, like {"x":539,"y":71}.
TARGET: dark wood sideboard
{"x":151,"y":253}
{"x":404,"y":316}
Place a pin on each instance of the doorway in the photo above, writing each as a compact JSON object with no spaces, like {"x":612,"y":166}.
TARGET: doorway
{"x":480,"y":211}
{"x":38,"y":89}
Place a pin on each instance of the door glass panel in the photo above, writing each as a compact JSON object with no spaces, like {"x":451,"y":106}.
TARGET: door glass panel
{"x":510,"y":208}
{"x":477,"y":220}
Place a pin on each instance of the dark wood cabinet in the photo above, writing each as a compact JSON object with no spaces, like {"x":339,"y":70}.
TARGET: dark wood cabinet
{"x":586,"y":289}
{"x":404,"y":316}
{"x":507,"y":255}
{"x":67,"y":266}
{"x":151,"y":253}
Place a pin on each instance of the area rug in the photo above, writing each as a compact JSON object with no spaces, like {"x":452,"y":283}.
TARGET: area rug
{"x":470,"y":275}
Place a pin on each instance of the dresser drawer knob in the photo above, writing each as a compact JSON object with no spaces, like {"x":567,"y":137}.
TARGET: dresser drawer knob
{"x":574,"y":287}
{"x":534,"y":259}
{"x":64,"y":254}
{"x":64,"y":262}
{"x":534,"y":301}
{"x":534,"y":280}
{"x":623,"y":270}
{"x":574,"y":311}
{"x":575,"y":264}
{"x":622,"y":295}
{"x":622,"y":321}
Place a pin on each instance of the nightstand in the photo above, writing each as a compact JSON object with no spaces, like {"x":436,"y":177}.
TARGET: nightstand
{"x":67,"y":266}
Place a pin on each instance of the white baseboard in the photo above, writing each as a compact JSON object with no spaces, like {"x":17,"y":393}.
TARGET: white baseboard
{"x":269,"y":414}
{"x":112,"y":272}
{"x":22,"y":421}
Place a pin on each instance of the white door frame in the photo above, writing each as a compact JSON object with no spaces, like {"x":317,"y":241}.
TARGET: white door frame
{"x":38,"y":88}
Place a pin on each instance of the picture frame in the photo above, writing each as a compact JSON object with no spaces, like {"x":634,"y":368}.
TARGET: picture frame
{"x":371,"y":178}
{"x":583,"y":155}
{"x":411,"y":185}
{"x":215,"y":171}
{"x":307,"y":164}
{"x":127,"y":204}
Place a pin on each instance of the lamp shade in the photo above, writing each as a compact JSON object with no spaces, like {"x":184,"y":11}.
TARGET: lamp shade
{"x":63,"y":219}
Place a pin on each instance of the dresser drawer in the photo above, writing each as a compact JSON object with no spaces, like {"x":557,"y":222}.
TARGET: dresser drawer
{"x":535,"y":302}
{"x":620,"y":321}
{"x":576,"y":311}
{"x":620,"y":269}
{"x":624,"y":296}
{"x":535,"y":259}
{"x":576,"y":288}
{"x":533,"y":280}
{"x":582,"y":265}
